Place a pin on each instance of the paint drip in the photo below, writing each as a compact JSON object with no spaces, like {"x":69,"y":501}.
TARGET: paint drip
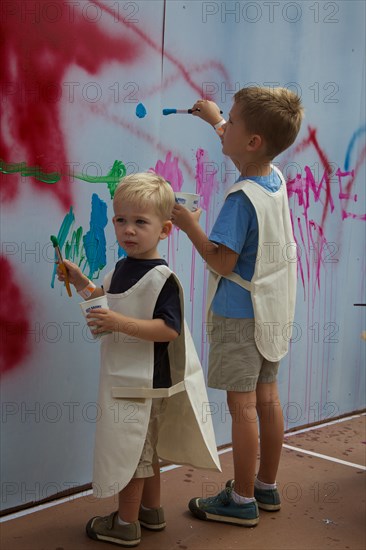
{"x":141,"y":110}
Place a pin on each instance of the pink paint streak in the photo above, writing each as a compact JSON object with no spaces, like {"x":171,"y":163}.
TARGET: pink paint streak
{"x":207,"y":187}
{"x":206,"y":181}
{"x":169,"y":169}
{"x":308,"y":192}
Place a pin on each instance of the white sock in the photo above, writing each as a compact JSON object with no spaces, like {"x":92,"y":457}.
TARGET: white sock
{"x":238,"y":499}
{"x":144,"y":507}
{"x":121,"y":522}
{"x":264,"y":486}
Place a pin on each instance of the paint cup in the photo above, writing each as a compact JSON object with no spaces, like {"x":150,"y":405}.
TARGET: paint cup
{"x":91,"y":305}
{"x":188,"y":200}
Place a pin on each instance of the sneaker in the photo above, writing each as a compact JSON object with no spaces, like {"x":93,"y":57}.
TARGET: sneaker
{"x":108,"y":529}
{"x":223,"y":508}
{"x":152,"y":518}
{"x":267,"y":499}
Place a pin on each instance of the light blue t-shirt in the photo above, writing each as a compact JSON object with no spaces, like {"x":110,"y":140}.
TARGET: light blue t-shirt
{"x":237,"y":228}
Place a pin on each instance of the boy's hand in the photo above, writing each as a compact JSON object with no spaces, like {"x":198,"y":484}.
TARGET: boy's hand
{"x":183,"y":218}
{"x":76,"y":276}
{"x":208,"y":111}
{"x":103,"y":320}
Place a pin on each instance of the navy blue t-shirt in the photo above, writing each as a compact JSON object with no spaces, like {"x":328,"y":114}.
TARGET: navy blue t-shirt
{"x":127,"y":273}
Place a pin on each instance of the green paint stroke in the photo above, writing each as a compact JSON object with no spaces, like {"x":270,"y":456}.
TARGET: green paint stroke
{"x":74,"y":248}
{"x":71,"y":243}
{"x":30,"y":171}
{"x":112,"y":179}
{"x":71,"y":240}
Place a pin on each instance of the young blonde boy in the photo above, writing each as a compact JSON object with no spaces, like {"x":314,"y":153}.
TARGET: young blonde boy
{"x":251,"y":255}
{"x":141,"y":408}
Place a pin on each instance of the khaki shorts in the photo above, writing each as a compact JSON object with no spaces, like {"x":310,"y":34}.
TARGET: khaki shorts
{"x":235,"y":364}
{"x":149,"y":455}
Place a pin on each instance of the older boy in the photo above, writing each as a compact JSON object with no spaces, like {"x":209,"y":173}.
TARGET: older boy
{"x":252,"y":260}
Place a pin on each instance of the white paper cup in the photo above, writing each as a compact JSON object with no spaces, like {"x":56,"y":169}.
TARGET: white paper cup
{"x":188,"y":200}
{"x":91,"y":305}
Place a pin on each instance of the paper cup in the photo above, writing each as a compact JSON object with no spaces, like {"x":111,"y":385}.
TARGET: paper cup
{"x":91,"y":305}
{"x":188,"y":200}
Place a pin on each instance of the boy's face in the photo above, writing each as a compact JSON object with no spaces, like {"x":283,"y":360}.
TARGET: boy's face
{"x":236,"y":138}
{"x":139,"y":230}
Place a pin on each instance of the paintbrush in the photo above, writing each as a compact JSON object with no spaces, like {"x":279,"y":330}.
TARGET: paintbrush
{"x":180,"y":111}
{"x":61,"y":263}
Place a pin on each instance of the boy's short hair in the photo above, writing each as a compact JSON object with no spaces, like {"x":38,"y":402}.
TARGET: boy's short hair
{"x":147,"y":188}
{"x":273,"y":113}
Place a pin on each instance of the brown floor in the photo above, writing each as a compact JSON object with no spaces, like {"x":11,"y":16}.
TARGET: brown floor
{"x":323,"y":504}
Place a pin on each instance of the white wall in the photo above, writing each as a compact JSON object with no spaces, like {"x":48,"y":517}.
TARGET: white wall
{"x":177,"y":51}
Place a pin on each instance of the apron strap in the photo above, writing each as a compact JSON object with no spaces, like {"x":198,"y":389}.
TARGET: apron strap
{"x":120,"y":392}
{"x":235,"y":278}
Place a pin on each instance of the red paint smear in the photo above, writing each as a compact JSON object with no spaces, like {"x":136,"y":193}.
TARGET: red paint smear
{"x":183,"y":70}
{"x":172,"y":79}
{"x":14,"y":321}
{"x":34,"y":57}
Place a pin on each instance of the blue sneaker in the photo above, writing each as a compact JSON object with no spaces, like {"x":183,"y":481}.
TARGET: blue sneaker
{"x":223,"y":508}
{"x":267,"y":499}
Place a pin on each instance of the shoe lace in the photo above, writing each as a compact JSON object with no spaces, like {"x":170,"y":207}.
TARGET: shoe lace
{"x":222,"y":498}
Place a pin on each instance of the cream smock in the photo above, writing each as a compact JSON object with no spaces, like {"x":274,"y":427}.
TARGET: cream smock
{"x":273,"y":285}
{"x":125,"y":394}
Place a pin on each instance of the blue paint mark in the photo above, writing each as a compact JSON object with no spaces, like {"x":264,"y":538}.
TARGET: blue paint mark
{"x":94,"y":240}
{"x":141,"y":110}
{"x":357,"y":134}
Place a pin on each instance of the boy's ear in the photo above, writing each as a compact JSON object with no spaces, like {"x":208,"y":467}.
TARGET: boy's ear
{"x":255,"y":142}
{"x":166,"y":229}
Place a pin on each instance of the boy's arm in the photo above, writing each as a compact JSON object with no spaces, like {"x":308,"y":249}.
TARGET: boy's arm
{"x":221,"y":258}
{"x":153,"y":330}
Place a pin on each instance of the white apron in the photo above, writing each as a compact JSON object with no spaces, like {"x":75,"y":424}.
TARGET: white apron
{"x":273,"y":285}
{"x":126,"y":392}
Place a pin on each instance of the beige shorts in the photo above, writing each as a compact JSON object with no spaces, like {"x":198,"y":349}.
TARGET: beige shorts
{"x":149,"y":456}
{"x":235,"y":364}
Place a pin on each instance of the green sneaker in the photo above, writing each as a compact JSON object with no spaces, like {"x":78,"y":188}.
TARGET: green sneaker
{"x":267,"y":499}
{"x":107,"y":529}
{"x":152,"y":519}
{"x":223,"y":508}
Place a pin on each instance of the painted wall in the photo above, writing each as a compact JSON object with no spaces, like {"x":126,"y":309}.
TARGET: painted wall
{"x":72,"y":76}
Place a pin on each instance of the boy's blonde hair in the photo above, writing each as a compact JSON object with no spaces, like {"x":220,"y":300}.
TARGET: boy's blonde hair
{"x":144,"y":189}
{"x":273,"y":113}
